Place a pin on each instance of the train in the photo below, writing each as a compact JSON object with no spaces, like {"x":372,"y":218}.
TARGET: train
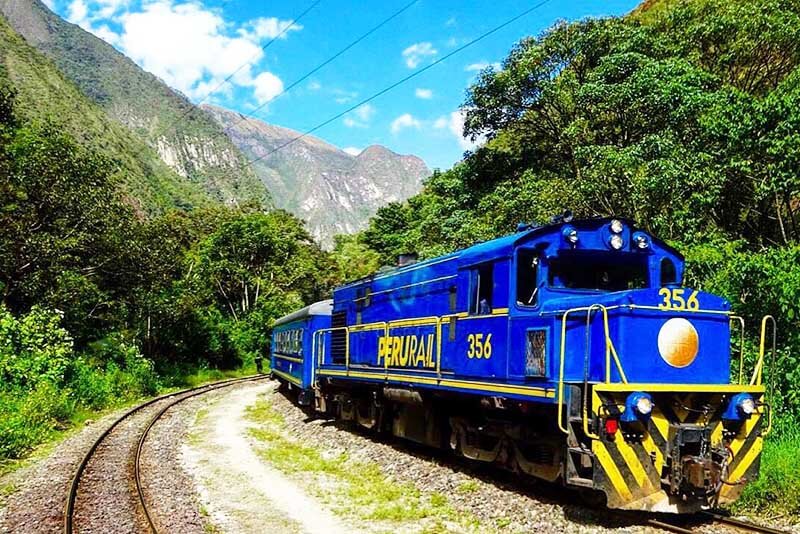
{"x":569,"y":352}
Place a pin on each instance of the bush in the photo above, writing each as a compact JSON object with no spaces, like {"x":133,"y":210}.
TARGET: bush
{"x":29,"y":418}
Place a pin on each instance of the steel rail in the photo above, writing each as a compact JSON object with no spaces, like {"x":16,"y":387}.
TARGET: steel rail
{"x":153,"y":421}
{"x":745,"y":525}
{"x":72,"y":495}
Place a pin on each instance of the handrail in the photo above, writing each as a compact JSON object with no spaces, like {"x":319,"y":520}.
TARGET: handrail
{"x":346,"y":329}
{"x":610,"y":351}
{"x":757,"y":372}
{"x":759,"y":369}
{"x":741,"y":345}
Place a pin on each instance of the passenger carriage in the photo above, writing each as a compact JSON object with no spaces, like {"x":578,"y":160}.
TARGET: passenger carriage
{"x":569,"y":352}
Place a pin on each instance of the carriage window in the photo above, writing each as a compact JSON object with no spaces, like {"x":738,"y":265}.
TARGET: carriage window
{"x":482,"y":285}
{"x":668,"y":274}
{"x":527,"y":270}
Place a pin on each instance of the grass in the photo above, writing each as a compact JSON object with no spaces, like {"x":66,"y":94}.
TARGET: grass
{"x":775,"y":493}
{"x":362,"y":491}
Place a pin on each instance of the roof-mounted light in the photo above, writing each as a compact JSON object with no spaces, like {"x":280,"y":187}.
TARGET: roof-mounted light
{"x":616,"y":226}
{"x":616,"y":242}
{"x":570,"y":235}
{"x":641,"y":241}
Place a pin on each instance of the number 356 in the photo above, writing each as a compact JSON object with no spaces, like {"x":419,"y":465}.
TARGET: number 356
{"x":479,"y":347}
{"x":674,"y":299}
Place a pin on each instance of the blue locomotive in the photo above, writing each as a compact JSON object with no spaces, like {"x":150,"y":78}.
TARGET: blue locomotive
{"x":569,"y":352}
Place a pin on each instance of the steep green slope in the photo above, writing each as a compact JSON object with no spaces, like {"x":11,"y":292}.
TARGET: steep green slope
{"x":44,"y":94}
{"x":197,"y":150}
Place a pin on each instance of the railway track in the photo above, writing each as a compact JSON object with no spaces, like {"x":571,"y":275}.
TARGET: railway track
{"x":167,"y":401}
{"x":711,"y":519}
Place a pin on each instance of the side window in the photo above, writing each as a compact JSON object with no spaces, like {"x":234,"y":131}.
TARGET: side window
{"x":527,"y":272}
{"x":668,"y":272}
{"x":482,"y":288}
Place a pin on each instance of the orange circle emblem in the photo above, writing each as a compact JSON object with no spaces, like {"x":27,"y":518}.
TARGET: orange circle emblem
{"x":678,"y":342}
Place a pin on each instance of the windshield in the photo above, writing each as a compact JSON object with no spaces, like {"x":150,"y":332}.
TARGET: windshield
{"x":598,"y":272}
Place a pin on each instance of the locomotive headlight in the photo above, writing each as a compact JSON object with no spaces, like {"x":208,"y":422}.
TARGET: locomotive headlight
{"x":641,"y":241}
{"x":570,"y":235}
{"x":644,"y":405}
{"x":747,"y":406}
{"x":616,"y":226}
{"x":638,"y":405}
{"x":742,"y":406}
{"x":615,"y":241}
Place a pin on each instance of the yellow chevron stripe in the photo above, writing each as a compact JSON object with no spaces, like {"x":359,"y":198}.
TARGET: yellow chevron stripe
{"x":287,"y":376}
{"x":637,"y":470}
{"x":651,"y":447}
{"x":716,"y":434}
{"x":747,"y":460}
{"x":661,"y":423}
{"x":677,"y":388}
{"x":748,"y":427}
{"x":611,"y":470}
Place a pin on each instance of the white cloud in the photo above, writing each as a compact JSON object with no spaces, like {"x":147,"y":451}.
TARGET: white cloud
{"x":105,"y":33}
{"x":479,"y":66}
{"x":425,"y":94}
{"x":353,"y":151}
{"x":450,"y":22}
{"x":314,"y":85}
{"x":415,"y":53}
{"x":78,"y":12}
{"x":441,"y":123}
{"x":51,"y":5}
{"x":268,"y":28}
{"x":406,"y":120}
{"x":455,"y":123}
{"x":189,"y":46}
{"x":363,"y":114}
{"x":266,"y":87}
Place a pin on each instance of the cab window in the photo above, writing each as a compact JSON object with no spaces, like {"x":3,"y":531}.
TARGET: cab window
{"x":482,"y":288}
{"x":598,"y":272}
{"x":668,"y":272}
{"x":527,"y":275}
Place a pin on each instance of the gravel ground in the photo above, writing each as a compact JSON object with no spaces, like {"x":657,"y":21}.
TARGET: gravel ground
{"x":239,"y":491}
{"x":107,"y":499}
{"x":40,"y":489}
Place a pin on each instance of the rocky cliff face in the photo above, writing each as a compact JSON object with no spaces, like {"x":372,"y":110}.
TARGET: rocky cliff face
{"x":197,"y":149}
{"x":334,"y":192}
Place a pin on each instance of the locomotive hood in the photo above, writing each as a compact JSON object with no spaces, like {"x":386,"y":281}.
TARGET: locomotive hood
{"x":677,"y":334}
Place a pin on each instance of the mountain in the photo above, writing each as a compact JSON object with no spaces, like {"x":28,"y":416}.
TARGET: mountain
{"x":198,"y":150}
{"x":44,"y":94}
{"x":333,"y":191}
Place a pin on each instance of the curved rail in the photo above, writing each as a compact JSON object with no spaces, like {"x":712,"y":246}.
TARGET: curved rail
{"x":69,"y":509}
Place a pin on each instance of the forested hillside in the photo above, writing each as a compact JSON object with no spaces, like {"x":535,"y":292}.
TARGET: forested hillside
{"x":44,"y":94}
{"x":684,"y":116}
{"x":197,"y":150}
{"x":101,"y":305}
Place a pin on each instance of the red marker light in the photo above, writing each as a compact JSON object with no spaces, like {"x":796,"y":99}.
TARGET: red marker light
{"x":612,"y":425}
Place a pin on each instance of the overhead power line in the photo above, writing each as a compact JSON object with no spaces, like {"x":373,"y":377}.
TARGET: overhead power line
{"x":399,"y":82}
{"x":252,"y":113}
{"x":280,"y":34}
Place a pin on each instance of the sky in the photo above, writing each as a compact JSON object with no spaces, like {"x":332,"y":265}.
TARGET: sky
{"x":195,"y":45}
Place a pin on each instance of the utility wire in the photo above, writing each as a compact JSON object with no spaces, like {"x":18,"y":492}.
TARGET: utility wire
{"x":300,"y":80}
{"x":193,"y":107}
{"x":399,"y":82}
